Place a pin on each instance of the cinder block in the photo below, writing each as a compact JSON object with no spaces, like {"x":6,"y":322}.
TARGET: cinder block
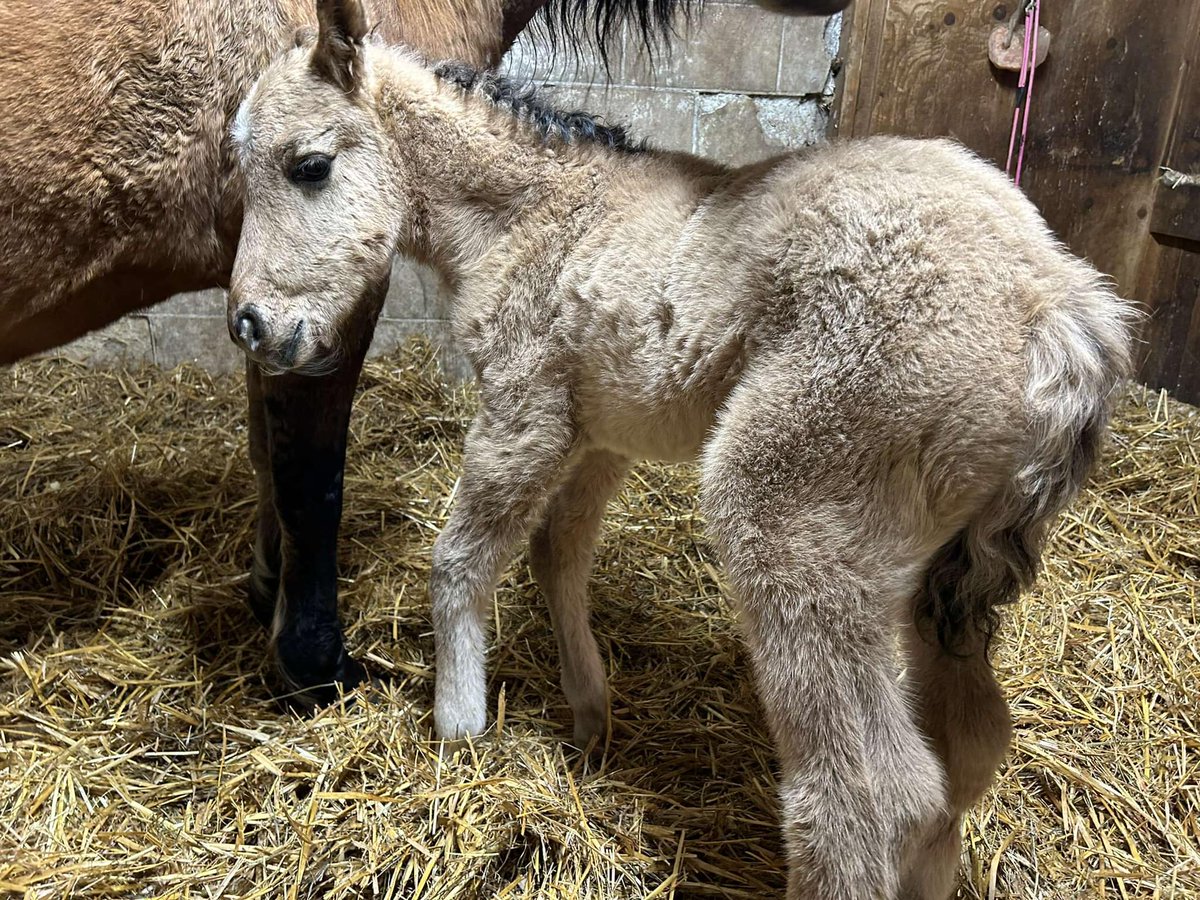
{"x":808,"y":49}
{"x":733,"y":48}
{"x":736,"y":129}
{"x":125,"y":342}
{"x":665,"y":118}
{"x":201,"y":340}
{"x":393,"y":333}
{"x":413,"y":292}
{"x":207,"y":304}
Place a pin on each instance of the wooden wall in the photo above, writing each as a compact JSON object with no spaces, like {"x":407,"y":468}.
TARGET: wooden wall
{"x":1118,"y":97}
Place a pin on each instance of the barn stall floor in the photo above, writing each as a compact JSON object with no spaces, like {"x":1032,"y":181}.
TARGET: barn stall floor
{"x":145,"y":757}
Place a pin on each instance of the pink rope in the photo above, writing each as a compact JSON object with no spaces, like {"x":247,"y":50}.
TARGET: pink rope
{"x":1016,"y":122}
{"x":1037,"y":18}
{"x":1020,"y":123}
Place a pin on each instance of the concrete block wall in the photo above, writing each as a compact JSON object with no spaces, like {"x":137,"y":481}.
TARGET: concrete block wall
{"x":739,"y":85}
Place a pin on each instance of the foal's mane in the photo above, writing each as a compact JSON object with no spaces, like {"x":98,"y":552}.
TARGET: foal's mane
{"x":528,"y":105}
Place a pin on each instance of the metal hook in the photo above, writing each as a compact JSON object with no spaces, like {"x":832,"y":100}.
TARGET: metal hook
{"x":1022,"y":11}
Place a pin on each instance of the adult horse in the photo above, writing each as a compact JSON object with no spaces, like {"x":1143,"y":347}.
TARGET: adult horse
{"x":120,"y":190}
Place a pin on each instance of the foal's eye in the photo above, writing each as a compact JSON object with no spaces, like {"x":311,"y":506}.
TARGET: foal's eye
{"x":311,"y":169}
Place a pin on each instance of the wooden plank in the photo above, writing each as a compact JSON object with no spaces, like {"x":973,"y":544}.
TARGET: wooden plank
{"x":1177,"y":212}
{"x":1100,"y":112}
{"x":1169,"y":279}
{"x":1160,"y":354}
{"x":1172,"y":358}
{"x":933,"y":76}
{"x":854,"y":59}
{"x":862,"y":60}
{"x":1177,"y":206}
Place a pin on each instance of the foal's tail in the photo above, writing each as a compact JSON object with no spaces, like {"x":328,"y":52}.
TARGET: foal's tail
{"x":1077,"y":351}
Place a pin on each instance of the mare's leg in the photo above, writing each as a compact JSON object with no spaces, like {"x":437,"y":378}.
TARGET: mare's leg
{"x":815,"y":559}
{"x":515,"y":455}
{"x":966,"y":719}
{"x":561,"y":552}
{"x":264,"y":570}
{"x":307,"y":418}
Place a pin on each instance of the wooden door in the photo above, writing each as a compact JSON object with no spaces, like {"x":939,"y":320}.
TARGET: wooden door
{"x":1116,"y":100}
{"x":1169,"y":280}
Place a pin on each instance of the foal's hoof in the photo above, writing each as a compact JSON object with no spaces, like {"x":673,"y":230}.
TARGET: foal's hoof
{"x":591,"y":734}
{"x":311,"y":684}
{"x":592,"y":725}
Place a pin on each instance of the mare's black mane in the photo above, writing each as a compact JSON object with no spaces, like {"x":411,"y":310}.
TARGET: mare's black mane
{"x":600,"y":21}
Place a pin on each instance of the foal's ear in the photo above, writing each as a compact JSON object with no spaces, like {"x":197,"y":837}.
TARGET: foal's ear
{"x":341,"y":27}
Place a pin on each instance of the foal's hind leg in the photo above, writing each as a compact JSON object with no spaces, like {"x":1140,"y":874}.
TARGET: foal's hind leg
{"x":966,"y":718}
{"x":514,"y":458}
{"x":561,"y":553}
{"x":820,"y":582}
{"x":858,"y":781}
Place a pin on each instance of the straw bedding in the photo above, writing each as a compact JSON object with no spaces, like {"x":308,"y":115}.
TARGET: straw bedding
{"x":144,"y":753}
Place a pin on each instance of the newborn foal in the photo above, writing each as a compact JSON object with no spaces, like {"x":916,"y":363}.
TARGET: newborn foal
{"x":893,"y":375}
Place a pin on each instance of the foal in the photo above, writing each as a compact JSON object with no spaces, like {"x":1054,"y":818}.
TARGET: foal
{"x":893,"y":375}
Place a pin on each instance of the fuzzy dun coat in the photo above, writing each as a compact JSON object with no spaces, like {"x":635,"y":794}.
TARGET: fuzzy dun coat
{"x":894,"y":378}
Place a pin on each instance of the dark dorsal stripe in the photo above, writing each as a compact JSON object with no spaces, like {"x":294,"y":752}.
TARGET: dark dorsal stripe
{"x":527,"y":104}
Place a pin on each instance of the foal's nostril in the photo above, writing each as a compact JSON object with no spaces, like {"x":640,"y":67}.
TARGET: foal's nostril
{"x":249,"y":328}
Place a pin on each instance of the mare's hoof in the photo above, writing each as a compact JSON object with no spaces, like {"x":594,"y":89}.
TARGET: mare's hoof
{"x":310,"y":685}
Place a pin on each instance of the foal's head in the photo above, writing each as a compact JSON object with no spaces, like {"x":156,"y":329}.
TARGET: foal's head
{"x":324,"y":209}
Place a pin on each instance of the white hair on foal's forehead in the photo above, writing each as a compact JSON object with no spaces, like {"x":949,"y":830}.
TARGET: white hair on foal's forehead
{"x":241,"y":129}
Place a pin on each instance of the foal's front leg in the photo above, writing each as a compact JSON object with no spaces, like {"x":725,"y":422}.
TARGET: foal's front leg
{"x":514,"y":458}
{"x":561,"y":552}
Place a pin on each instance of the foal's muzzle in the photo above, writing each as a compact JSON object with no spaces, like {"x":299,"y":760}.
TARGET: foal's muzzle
{"x":275,"y":344}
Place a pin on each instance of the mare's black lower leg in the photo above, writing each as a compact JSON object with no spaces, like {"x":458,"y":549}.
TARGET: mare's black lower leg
{"x":264,"y":570}
{"x":307,"y":418}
